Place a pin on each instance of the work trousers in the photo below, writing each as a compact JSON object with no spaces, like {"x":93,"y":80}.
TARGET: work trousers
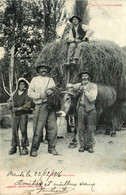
{"x":43,"y":117}
{"x":86,"y":124}
{"x":19,"y":122}
{"x":74,"y":50}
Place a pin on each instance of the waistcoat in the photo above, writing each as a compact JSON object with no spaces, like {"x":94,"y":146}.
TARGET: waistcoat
{"x":80,"y":31}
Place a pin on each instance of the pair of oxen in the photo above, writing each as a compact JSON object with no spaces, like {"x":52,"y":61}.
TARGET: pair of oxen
{"x":105,"y":104}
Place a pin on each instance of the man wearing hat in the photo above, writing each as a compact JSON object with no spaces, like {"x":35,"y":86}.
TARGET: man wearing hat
{"x":86,"y":113}
{"x":78,"y":34}
{"x":39,"y":90}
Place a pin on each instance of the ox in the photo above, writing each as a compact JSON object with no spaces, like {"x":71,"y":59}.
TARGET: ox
{"x":104,"y":104}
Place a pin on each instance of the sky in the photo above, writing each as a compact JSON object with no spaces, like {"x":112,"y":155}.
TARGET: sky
{"x":108,"y":20}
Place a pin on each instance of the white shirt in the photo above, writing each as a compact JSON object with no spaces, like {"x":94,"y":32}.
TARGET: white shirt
{"x":91,"y":90}
{"x":20,"y":92}
{"x":37,"y":88}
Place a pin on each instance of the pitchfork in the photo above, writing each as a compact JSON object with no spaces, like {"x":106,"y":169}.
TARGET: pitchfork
{"x":11,"y":93}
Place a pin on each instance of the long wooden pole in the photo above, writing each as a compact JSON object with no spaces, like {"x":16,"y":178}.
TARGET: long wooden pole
{"x":11,"y":82}
{"x":67,"y":74}
{"x":11,"y":73}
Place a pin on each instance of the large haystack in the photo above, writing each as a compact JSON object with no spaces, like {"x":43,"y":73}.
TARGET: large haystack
{"x":55,"y":55}
{"x":123,"y":80}
{"x":103,"y":58}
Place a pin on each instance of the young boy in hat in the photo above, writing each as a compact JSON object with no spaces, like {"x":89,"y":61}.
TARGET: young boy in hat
{"x":20,"y":105}
{"x":78,"y":34}
{"x":86,"y":113}
{"x":39,"y":90}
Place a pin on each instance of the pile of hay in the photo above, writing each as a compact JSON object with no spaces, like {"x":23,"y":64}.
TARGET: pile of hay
{"x":105,"y":61}
{"x":103,"y":58}
{"x":54,"y":54}
{"x":123,"y":77}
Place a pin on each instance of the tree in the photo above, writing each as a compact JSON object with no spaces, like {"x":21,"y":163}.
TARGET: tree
{"x":52,"y":16}
{"x":12,"y":29}
{"x":22,"y":37}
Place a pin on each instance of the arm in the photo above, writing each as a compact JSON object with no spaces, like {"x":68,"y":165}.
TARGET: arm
{"x":74,"y":87}
{"x":71,"y":38}
{"x":88,"y":31}
{"x":31,"y":91}
{"x":92,"y":94}
{"x":51,"y":85}
{"x":27,"y":105}
{"x":10,"y":104}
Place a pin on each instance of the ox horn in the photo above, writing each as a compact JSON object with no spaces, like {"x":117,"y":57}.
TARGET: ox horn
{"x":68,"y":92}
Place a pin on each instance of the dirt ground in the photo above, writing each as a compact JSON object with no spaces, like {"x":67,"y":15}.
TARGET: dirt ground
{"x":106,"y":167}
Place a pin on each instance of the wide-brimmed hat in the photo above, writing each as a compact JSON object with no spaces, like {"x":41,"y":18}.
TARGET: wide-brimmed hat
{"x":43,"y":66}
{"x":85,"y":72}
{"x":75,"y":16}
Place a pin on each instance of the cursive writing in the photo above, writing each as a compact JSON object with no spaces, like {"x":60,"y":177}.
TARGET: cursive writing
{"x":88,"y":184}
{"x":53,"y":190}
{"x":39,"y":174}
{"x":47,"y":181}
{"x":30,"y":183}
{"x":49,"y":174}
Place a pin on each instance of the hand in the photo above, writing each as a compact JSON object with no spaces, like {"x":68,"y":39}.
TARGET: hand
{"x":84,"y":90}
{"x":42,"y":96}
{"x":72,"y":41}
{"x":81,"y":89}
{"x":14,"y":109}
{"x":10,"y":105}
{"x":49,"y":92}
{"x":86,"y":39}
{"x":77,"y":40}
{"x":69,"y":85}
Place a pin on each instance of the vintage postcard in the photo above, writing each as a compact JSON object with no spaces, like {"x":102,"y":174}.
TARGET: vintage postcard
{"x":29,"y":163}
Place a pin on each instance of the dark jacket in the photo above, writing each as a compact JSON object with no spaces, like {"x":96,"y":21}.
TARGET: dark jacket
{"x":21,"y":101}
{"x":80,"y":31}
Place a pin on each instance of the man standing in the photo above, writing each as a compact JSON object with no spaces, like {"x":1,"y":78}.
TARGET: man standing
{"x":39,"y":90}
{"x":78,"y":35}
{"x":86,"y":112}
{"x":20,"y":104}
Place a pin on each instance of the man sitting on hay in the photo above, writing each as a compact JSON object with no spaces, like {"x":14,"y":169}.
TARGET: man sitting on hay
{"x":78,"y":35}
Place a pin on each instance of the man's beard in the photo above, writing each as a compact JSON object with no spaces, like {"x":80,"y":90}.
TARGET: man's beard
{"x":85,"y":81}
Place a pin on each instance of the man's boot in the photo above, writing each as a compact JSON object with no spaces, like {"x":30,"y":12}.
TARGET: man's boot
{"x":52,"y":151}
{"x":13,"y":150}
{"x":81,"y":149}
{"x":33,"y":152}
{"x":24,"y":151}
{"x":90,"y":150}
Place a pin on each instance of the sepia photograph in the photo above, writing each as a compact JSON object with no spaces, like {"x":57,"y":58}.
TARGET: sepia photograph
{"x":63,"y":97}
